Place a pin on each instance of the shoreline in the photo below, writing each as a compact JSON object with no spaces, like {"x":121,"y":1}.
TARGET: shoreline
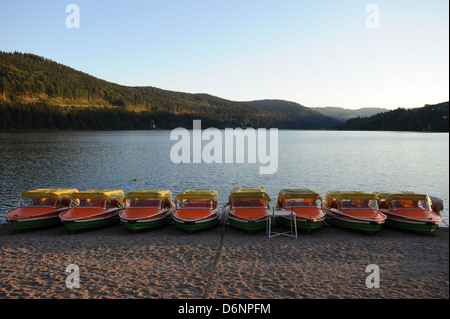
{"x":222,"y":263}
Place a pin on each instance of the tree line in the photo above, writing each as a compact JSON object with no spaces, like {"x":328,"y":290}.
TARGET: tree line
{"x":40,"y":115}
{"x":431,"y":118}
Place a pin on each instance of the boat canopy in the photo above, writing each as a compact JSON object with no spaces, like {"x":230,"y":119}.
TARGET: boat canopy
{"x":58,"y":193}
{"x":389,"y":197}
{"x":342,"y":195}
{"x":383,"y":194}
{"x":162,"y":194}
{"x":106,"y":194}
{"x":211,"y":194}
{"x":297,"y":193}
{"x":249,"y":193}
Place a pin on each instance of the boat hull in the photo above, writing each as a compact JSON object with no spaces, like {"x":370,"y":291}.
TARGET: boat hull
{"x":248,"y":225}
{"x":246,"y":221}
{"x":364,"y":227}
{"x":193,"y":226}
{"x":303,"y":225}
{"x":26,"y":218}
{"x":418,"y":221}
{"x":81,"y":225}
{"x":28,"y":224}
{"x":421,"y":228}
{"x":137,"y":226}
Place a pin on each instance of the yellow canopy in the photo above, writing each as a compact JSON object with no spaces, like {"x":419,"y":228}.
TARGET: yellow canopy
{"x":58,"y":193}
{"x":341,"y":195}
{"x":249,"y":193}
{"x":401,"y":195}
{"x":298,"y":193}
{"x":384,"y":194}
{"x":106,"y":194}
{"x":199,"y":194}
{"x":151,"y":193}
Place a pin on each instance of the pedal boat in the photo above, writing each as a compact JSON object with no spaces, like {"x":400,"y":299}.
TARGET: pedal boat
{"x":248,"y":208}
{"x":305,"y":204}
{"x":409,"y":211}
{"x":39,"y":208}
{"x":196,"y":209}
{"x":354,"y":210}
{"x":146,"y":209}
{"x":92,"y":209}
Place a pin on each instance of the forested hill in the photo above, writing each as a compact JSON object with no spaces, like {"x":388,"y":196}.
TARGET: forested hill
{"x":37,"y":93}
{"x":431,"y":118}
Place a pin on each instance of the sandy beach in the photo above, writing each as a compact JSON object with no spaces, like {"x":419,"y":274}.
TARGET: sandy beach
{"x":222,"y":263}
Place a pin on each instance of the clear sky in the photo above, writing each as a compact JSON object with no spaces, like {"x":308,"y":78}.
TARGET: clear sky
{"x":316,"y":53}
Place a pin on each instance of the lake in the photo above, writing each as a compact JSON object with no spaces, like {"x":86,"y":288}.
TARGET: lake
{"x":319,"y":160}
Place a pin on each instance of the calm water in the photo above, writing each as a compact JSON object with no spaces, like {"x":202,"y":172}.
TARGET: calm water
{"x":320,"y":160}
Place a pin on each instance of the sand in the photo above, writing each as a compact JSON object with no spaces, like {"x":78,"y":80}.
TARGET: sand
{"x":222,"y":263}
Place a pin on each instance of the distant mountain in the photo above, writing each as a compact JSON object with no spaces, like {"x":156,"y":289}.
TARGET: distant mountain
{"x":295,"y":115}
{"x":430,"y":118}
{"x":343,"y":114}
{"x":37,"y":93}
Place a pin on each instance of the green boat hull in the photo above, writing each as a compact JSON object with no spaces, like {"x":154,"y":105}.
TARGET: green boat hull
{"x":196,"y":226}
{"x":74,"y":227}
{"x":367,"y":228}
{"x":20,"y":226}
{"x":141,"y":226}
{"x":423,"y":229}
{"x":251,"y":227}
{"x":303,"y":225}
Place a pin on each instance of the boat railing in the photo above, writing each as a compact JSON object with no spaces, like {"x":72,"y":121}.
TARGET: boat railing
{"x":196,"y":207}
{"x":300,"y":206}
{"x":163,"y":212}
{"x":58,"y":210}
{"x":408,"y":217}
{"x":357,"y":208}
{"x":245,"y":207}
{"x":113,"y":210}
{"x":411,"y":208}
{"x":354,"y":217}
{"x":215,"y":212}
{"x":161,"y":209}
